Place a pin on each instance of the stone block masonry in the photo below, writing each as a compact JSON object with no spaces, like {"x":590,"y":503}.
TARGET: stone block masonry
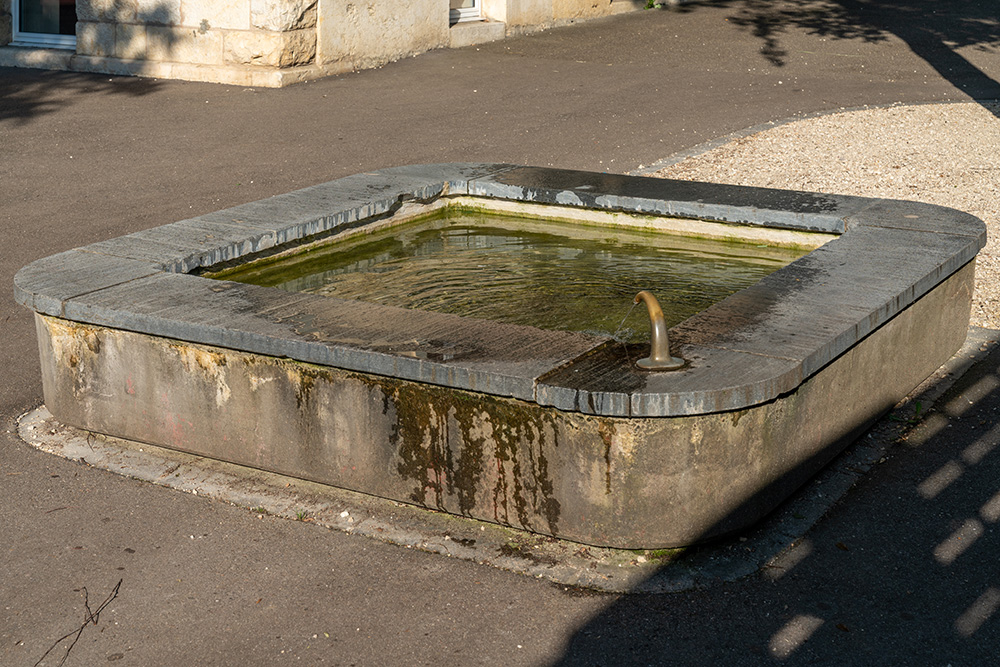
{"x":274,"y":42}
{"x":231,"y":32}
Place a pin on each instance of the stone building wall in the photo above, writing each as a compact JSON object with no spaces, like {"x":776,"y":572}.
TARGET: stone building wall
{"x":271,"y":33}
{"x":276,"y":42}
{"x":357,"y":34}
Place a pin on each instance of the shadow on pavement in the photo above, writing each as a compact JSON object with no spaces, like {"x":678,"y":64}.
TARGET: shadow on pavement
{"x":26,"y":95}
{"x":906,"y":568}
{"x":935,"y":31}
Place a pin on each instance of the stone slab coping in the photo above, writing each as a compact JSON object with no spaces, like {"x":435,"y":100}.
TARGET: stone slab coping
{"x":750,"y":348}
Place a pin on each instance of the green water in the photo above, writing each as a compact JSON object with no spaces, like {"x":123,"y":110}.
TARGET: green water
{"x":548,"y":275}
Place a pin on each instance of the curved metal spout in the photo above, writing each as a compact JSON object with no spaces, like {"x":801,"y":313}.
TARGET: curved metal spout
{"x":659,"y":358}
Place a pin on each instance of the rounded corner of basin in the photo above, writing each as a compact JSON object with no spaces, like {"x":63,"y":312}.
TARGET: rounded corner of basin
{"x":911,"y":216}
{"x":25,"y":289}
{"x":760,"y":380}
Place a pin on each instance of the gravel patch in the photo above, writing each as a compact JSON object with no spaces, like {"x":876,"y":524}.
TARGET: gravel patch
{"x":945,"y":154}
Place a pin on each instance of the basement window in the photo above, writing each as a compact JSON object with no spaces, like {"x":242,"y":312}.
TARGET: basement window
{"x":465,"y":10}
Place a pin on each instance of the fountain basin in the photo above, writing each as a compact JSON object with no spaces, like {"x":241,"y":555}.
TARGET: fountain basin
{"x":554,"y":432}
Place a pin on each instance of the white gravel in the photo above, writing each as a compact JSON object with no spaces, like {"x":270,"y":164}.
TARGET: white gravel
{"x":946,"y":154}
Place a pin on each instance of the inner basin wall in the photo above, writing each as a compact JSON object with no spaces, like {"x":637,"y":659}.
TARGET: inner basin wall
{"x":626,"y":482}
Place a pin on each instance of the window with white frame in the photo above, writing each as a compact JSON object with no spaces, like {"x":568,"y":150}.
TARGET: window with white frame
{"x":465,"y":10}
{"x":45,"y":23}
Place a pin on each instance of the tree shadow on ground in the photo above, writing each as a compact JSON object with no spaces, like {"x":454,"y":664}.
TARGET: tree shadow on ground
{"x":935,"y":31}
{"x":27,"y":94}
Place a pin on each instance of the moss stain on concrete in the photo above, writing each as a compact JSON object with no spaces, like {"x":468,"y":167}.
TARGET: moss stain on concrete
{"x":480,"y":452}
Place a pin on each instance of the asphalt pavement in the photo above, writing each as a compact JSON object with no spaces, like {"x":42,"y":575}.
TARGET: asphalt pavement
{"x":901,"y":571}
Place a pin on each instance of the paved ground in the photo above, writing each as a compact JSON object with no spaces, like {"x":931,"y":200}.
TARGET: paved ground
{"x":903,"y":571}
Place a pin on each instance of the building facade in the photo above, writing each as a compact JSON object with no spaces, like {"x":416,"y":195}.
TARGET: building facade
{"x":262,"y":42}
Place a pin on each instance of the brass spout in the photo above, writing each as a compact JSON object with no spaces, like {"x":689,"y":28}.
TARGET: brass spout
{"x":659,"y":358}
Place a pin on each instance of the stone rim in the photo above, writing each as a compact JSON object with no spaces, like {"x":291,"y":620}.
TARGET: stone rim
{"x":887,"y":255}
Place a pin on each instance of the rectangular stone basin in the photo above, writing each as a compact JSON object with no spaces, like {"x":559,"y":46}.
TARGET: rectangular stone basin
{"x":549,"y":431}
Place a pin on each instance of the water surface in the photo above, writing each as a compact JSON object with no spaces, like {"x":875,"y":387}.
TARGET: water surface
{"x":544,"y":274}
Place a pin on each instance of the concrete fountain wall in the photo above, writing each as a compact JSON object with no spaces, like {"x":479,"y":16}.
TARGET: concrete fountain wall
{"x":554,"y":432}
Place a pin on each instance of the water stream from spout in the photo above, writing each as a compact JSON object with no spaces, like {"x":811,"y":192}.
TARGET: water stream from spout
{"x":622,"y":328}
{"x":627,"y":331}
